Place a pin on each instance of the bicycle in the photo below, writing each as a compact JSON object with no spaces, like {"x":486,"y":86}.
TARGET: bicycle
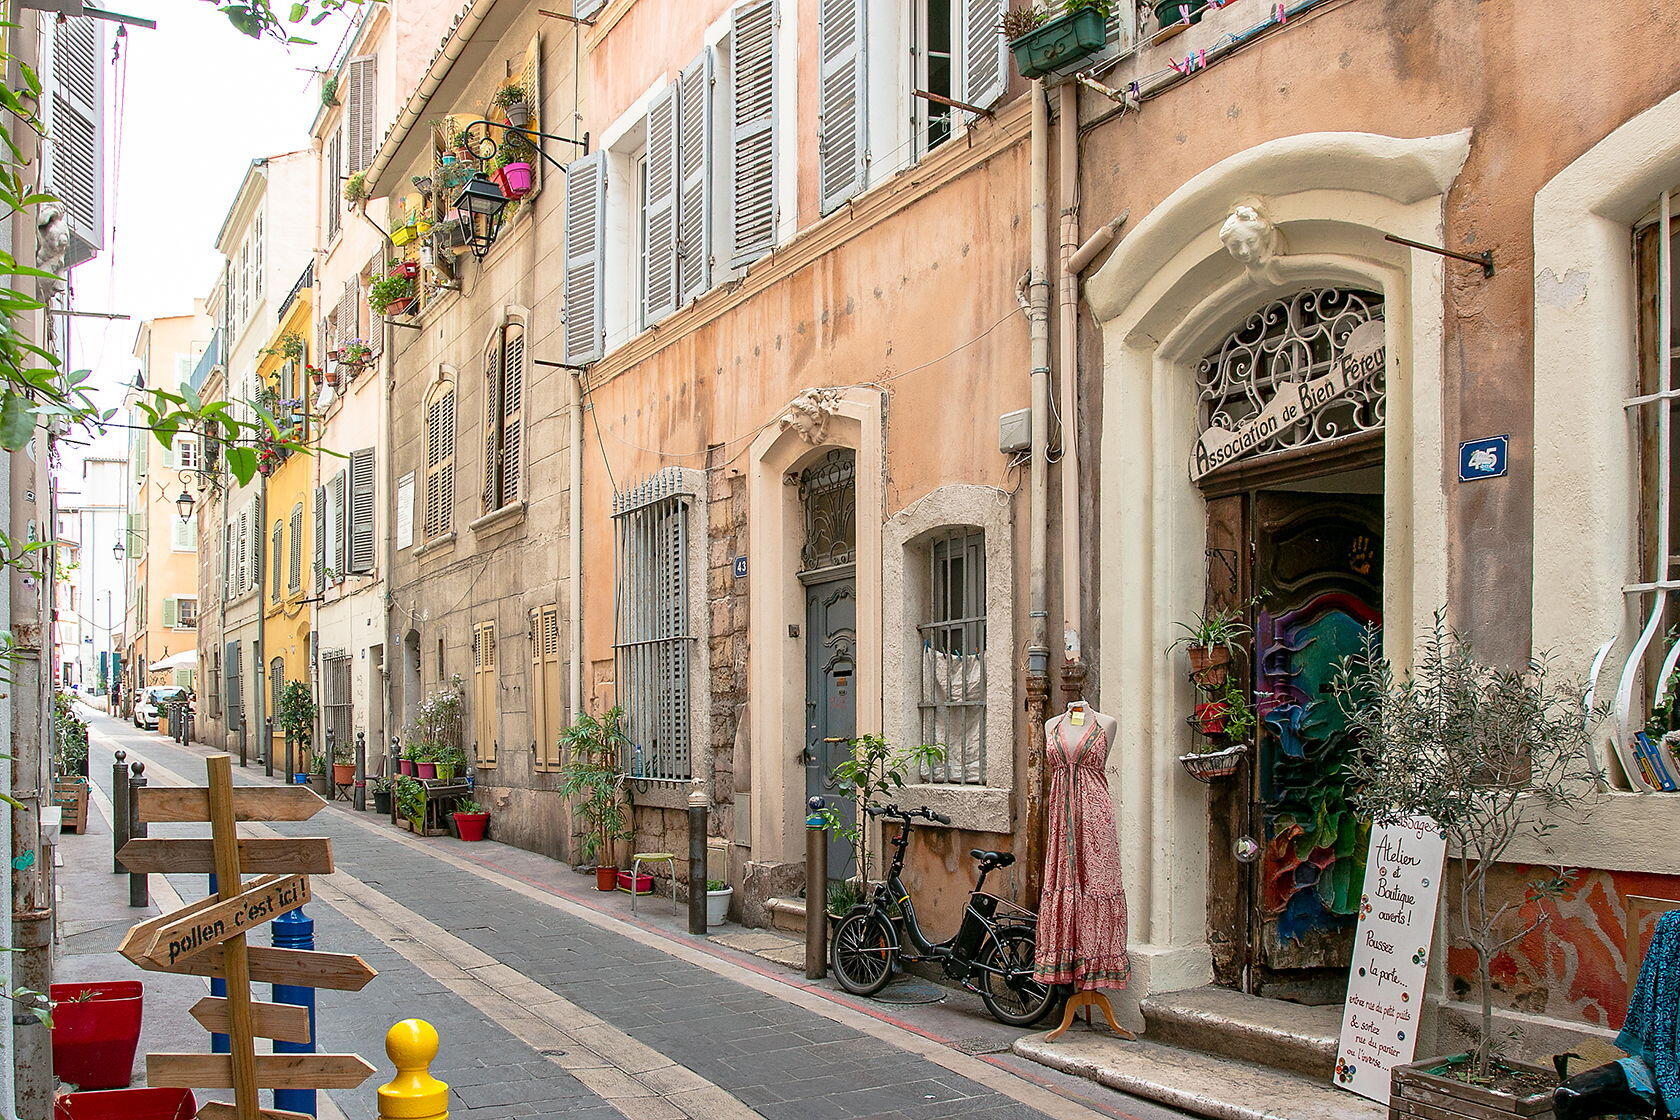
{"x":990,"y":955}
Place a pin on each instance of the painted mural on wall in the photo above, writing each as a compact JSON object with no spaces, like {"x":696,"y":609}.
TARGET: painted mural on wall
{"x":1575,"y":967}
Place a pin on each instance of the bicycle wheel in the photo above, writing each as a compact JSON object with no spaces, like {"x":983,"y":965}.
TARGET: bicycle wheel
{"x":1010,"y":992}
{"x":861,"y":952}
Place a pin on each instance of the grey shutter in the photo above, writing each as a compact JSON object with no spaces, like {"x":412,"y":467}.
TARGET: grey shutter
{"x":586,"y":215}
{"x":659,"y":220}
{"x":694,"y":173}
{"x":335,"y":183}
{"x":340,"y":527}
{"x":361,"y":510}
{"x":295,"y":580}
{"x":344,"y":315}
{"x":752,"y":134}
{"x":320,"y":538}
{"x":585,"y":9}
{"x":842,"y":86}
{"x":75,"y":155}
{"x":985,"y":53}
{"x":360,"y":107}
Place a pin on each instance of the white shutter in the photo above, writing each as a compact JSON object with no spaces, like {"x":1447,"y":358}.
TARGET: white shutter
{"x":694,"y":175}
{"x":230,"y":566}
{"x":842,"y":85}
{"x":361,"y":510}
{"x":985,"y":53}
{"x":586,"y":215}
{"x":75,"y":155}
{"x":752,"y":134}
{"x":585,"y":9}
{"x":360,"y":113}
{"x":334,"y":201}
{"x":243,"y":580}
{"x":659,"y":218}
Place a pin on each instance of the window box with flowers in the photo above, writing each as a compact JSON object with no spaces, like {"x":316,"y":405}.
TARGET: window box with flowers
{"x":391,"y":295}
{"x":1043,"y":43}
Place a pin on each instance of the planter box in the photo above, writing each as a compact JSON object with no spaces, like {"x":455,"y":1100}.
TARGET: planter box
{"x":1170,"y":12}
{"x":96,"y":1028}
{"x":1059,"y":42}
{"x":1418,"y":1092}
{"x":642,"y":885}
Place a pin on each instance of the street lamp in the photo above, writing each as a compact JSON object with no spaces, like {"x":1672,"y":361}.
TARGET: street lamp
{"x":117,"y":549}
{"x":480,"y":198}
{"x":184,"y":505}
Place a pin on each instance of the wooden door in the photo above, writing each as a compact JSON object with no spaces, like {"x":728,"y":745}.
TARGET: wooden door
{"x":484,"y":693}
{"x":831,"y":702}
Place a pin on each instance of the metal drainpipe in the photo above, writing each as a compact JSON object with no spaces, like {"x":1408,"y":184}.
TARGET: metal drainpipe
{"x":1038,"y":493}
{"x":574,"y":546}
{"x":1067,"y":359}
{"x":8,"y":1105}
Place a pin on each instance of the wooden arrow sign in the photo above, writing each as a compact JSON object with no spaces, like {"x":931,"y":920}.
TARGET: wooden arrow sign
{"x":274,"y":1071}
{"x":189,"y":804}
{"x":342,"y":972}
{"x":288,"y":855}
{"x":217,"y":1110}
{"x":198,"y":929}
{"x":286,"y":1022}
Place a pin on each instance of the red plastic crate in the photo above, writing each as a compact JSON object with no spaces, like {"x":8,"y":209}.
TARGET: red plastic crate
{"x":644,"y":883}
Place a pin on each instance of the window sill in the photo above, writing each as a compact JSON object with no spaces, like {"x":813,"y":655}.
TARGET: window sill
{"x":664,"y":794}
{"x":505,"y":517}
{"x":972,"y":808}
{"x":437,"y":544}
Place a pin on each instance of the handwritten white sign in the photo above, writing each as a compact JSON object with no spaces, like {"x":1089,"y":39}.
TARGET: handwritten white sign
{"x":1363,"y":357}
{"x":1391,"y":954}
{"x":405,"y":510}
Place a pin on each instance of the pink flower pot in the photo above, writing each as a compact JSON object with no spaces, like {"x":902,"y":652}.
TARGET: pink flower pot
{"x":425,"y":769}
{"x":405,"y":766}
{"x":516,"y":180}
{"x":96,"y":1028}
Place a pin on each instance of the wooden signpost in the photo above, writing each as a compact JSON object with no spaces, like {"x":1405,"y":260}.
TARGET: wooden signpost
{"x":207,"y":938}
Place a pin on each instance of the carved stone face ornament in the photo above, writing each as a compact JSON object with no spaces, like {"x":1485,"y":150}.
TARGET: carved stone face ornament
{"x":809,"y":412}
{"x":1252,"y":240}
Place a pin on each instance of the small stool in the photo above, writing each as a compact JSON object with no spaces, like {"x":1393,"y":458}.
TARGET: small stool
{"x":636,"y":862}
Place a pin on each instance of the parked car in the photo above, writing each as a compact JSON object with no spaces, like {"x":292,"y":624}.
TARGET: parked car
{"x":152,"y":702}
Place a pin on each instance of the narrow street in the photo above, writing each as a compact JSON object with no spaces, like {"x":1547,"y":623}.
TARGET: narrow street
{"x":550,"y":1006}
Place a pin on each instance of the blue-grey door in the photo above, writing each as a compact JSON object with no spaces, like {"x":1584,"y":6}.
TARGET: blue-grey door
{"x":831,"y":700}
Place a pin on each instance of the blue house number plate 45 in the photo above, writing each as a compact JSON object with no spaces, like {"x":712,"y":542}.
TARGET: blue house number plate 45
{"x":1483,"y":458}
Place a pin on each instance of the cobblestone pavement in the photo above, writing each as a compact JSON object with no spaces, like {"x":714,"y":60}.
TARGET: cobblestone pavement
{"x":547,"y":1009}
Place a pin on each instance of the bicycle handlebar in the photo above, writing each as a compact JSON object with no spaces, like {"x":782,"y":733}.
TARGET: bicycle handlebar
{"x":905,"y":814}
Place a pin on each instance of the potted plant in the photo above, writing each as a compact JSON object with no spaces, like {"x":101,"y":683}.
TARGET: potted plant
{"x":513,"y":170}
{"x":318,"y":773}
{"x":514,"y":103}
{"x":593,"y":777}
{"x":842,"y":896}
{"x":405,"y":763}
{"x":1490,"y":755}
{"x":463,"y":142}
{"x":447,"y":760}
{"x":1042,"y":42}
{"x":451,"y":234}
{"x":391,"y":295}
{"x":471,"y":819}
{"x":72,"y":751}
{"x":1212,"y":641}
{"x":356,"y":188}
{"x":1228,"y":721}
{"x":405,"y":266}
{"x":410,"y":797}
{"x":382,"y":796}
{"x":329,"y":90}
{"x":95,"y":1030}
{"x":295,"y":717}
{"x":425,"y":760}
{"x":874,"y":770}
{"x":343,"y":764}
{"x":718,"y":894}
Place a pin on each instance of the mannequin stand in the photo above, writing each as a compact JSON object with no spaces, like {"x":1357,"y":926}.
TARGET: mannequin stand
{"x":1094,"y":999}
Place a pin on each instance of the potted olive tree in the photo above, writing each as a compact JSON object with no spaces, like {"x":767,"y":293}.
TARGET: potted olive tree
{"x":296,"y":717}
{"x":1491,"y":755}
{"x":593,"y":777}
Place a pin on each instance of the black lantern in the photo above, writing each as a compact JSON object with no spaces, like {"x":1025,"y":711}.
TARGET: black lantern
{"x":184,"y":505}
{"x":480,"y":198}
{"x":117,"y":549}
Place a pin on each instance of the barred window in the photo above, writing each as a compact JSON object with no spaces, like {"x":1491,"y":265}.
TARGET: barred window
{"x":335,"y":679}
{"x":953,"y":648}
{"x":654,"y":643}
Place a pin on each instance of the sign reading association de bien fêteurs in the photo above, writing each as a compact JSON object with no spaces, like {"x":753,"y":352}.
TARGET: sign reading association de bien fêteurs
{"x":1362,"y":359}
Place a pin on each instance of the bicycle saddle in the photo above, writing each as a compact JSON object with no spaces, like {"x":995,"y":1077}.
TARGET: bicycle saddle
{"x":994,"y":859}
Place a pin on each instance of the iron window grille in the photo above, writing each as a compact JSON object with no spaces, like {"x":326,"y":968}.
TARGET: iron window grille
{"x":1292,"y":340}
{"x":654,"y":643}
{"x":828,"y":495}
{"x":335,"y":681}
{"x":953,"y":651}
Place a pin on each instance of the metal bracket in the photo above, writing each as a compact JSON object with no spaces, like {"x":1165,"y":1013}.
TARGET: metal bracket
{"x":1483,"y":258}
{"x":943,"y":100}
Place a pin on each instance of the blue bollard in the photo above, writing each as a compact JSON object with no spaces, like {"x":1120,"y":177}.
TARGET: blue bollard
{"x":295,"y":931}
{"x":219,"y":1043}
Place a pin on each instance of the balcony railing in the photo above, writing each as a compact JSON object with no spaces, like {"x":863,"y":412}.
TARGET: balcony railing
{"x":307,"y":280}
{"x":209,"y":360}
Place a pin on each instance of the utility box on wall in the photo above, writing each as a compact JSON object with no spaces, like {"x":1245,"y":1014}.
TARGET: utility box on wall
{"x":1015,"y":431}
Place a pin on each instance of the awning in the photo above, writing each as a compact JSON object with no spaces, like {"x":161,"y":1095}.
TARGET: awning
{"x":186,"y":659}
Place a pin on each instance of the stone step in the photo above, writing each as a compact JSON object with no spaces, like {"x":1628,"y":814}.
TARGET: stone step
{"x":1205,"y":1084}
{"x":787,"y":914}
{"x":1289,"y":1036}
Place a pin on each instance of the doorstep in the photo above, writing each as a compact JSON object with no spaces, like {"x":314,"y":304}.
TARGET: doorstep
{"x":771,"y":945}
{"x":1295,"y":1037}
{"x":1206,"y":1084}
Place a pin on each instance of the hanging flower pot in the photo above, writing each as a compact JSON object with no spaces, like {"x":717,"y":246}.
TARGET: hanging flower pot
{"x":1209,"y":666}
{"x":516,"y":180}
{"x":1061,"y":42}
{"x":400,"y":306}
{"x":402,"y":235}
{"x":499,"y":175}
{"x":1186,"y":12}
{"x":1210,"y":717}
{"x":408,"y":268}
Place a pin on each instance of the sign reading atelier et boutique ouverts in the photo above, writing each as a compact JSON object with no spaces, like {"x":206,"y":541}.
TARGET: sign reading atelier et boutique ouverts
{"x":1363,"y":357}
{"x":1390,"y":954}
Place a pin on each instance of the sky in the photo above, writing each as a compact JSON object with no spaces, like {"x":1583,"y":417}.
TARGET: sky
{"x":190,"y":105}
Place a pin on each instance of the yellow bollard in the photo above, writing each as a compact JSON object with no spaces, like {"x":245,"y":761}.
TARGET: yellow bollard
{"x":413,"y":1094}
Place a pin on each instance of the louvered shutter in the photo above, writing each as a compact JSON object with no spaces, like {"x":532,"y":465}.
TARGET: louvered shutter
{"x":76,"y":149}
{"x":694,"y":173}
{"x":230,"y":560}
{"x":274,"y":561}
{"x":843,"y":84}
{"x":254,"y":572}
{"x":339,"y":527}
{"x":752,"y":104}
{"x":586,"y":215}
{"x":484,"y":662}
{"x":344,"y":315}
{"x":659,"y":217}
{"x":335,"y":182}
{"x":171,"y":612}
{"x":586,"y":9}
{"x":320,"y":538}
{"x":295,"y":582}
{"x":539,"y":691}
{"x":493,"y":426}
{"x":548,"y":649}
{"x":513,"y":394}
{"x":360,"y":113}
{"x":243,"y":580}
{"x":985,"y":53}
{"x":440,"y":463}
{"x":361,"y":510}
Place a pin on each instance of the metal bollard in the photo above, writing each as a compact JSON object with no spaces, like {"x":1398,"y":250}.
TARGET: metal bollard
{"x":413,"y":1094}
{"x":119,"y":810}
{"x":244,"y":736}
{"x":361,"y":771}
{"x":697,"y":859}
{"x":816,"y":891}
{"x":219,"y":1043}
{"x":139,"y":888}
{"x":268,"y":749}
{"x":291,"y":760}
{"x":295,"y":931}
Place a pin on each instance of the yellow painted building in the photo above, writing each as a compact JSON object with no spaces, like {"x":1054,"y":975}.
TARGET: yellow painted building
{"x":283,"y":373}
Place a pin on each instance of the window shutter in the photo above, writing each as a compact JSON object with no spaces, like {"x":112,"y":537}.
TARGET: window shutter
{"x":171,"y":613}
{"x":752,"y":105}
{"x":320,"y":538}
{"x":253,"y":573}
{"x":335,"y":182}
{"x":361,"y":510}
{"x":75,"y":156}
{"x":295,"y":583}
{"x":493,"y":425}
{"x":230,"y":566}
{"x":842,"y":82}
{"x":344,"y":315}
{"x":659,"y":222}
{"x":585,"y":9}
{"x":985,"y":53}
{"x":360,"y":114}
{"x":586,"y":215}
{"x":274,"y":561}
{"x":513,"y":393}
{"x":694,"y":170}
{"x":440,"y":463}
{"x":243,"y":580}
{"x":337,"y":528}
{"x":484,"y":665}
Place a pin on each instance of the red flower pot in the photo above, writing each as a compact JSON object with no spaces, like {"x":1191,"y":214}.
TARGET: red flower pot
{"x":606,"y":878}
{"x":516,"y":180}
{"x":425,"y":769}
{"x":400,"y":306}
{"x":499,"y":174}
{"x":344,"y":773}
{"x":405,"y":766}
{"x":1210,"y":717}
{"x":471,"y":826}
{"x":410,"y":269}
{"x":96,"y":1028}
{"x":643,"y":883}
{"x":128,"y":1104}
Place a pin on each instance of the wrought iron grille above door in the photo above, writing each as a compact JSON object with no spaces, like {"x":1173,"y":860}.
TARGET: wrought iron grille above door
{"x":828,"y":495}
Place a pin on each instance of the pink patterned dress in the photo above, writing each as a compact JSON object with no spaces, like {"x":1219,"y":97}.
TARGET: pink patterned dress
{"x":1082,"y":916}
